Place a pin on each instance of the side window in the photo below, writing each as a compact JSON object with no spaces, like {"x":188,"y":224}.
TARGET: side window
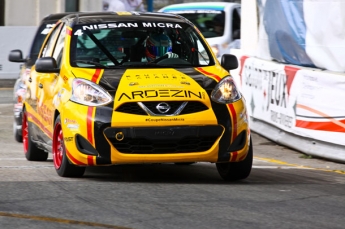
{"x":236,"y":23}
{"x":49,"y":45}
{"x":58,"y":51}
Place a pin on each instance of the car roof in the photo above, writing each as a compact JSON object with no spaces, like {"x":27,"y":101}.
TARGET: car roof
{"x":55,"y":17}
{"x":104,"y":17}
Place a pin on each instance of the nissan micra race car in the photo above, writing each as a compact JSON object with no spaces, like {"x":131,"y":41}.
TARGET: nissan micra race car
{"x":129,"y":88}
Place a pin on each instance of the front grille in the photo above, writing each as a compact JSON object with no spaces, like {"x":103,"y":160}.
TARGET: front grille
{"x":146,"y":146}
{"x":162,"y":140}
{"x":131,"y":108}
{"x":134,"y":108}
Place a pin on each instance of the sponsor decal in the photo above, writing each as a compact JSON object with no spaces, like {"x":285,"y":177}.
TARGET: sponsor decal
{"x":161,"y":86}
{"x":68,"y":139}
{"x":164,"y":93}
{"x":129,"y":25}
{"x":70,"y":121}
{"x":65,"y":79}
{"x":164,"y":133}
{"x":164,"y":119}
{"x":45,"y":113}
{"x":73,"y":126}
{"x":156,"y":76}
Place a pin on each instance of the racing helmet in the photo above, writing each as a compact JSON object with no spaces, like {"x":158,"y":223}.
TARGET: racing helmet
{"x":156,"y":45}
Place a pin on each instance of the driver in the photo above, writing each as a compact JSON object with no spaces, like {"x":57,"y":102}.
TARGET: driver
{"x":157,"y":46}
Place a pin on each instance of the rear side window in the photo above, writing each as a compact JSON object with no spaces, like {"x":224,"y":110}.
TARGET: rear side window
{"x":49,"y":45}
{"x":41,"y":34}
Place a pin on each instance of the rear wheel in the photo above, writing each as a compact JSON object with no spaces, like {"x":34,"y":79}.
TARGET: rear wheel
{"x":32,"y":152}
{"x":233,"y":171}
{"x":61,"y":163}
{"x":17,"y":133}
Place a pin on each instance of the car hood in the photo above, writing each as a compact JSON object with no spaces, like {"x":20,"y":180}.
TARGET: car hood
{"x":132,"y":80}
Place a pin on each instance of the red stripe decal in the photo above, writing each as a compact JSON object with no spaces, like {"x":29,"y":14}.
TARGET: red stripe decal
{"x":75,"y":161}
{"x":90,"y":160}
{"x":234,"y":129}
{"x":89,"y":121}
{"x":41,"y":125}
{"x":209,"y":74}
{"x":96,"y":75}
{"x":234,"y":121}
{"x":234,"y":156}
{"x":68,"y":32}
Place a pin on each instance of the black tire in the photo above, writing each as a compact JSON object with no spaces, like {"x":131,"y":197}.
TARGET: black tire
{"x":32,"y":152}
{"x":17,"y":133}
{"x":233,"y":171}
{"x":61,"y":163}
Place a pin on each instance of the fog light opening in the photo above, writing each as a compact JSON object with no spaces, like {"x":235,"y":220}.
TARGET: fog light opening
{"x":119,"y":136}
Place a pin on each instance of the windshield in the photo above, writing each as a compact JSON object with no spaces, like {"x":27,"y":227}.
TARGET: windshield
{"x":209,"y":22}
{"x":138,"y":44}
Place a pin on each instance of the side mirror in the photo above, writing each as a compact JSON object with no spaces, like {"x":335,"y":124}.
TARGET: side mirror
{"x":229,"y":62}
{"x":16,"y":56}
{"x":46,"y":65}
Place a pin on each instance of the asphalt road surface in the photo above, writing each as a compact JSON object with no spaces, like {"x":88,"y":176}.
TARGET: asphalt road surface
{"x":286,"y":189}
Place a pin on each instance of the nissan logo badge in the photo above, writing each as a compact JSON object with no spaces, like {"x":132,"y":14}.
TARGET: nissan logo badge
{"x":163,"y":108}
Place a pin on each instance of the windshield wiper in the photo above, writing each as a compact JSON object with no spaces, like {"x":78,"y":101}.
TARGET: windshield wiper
{"x":90,"y":62}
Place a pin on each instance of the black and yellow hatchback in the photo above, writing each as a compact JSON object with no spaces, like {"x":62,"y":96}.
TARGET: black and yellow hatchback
{"x":127,"y":88}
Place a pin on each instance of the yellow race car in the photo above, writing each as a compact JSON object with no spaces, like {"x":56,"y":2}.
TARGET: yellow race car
{"x":127,"y":88}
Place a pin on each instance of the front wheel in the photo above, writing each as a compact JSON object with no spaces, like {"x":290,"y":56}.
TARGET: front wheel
{"x":232,"y":171}
{"x":61,"y":163}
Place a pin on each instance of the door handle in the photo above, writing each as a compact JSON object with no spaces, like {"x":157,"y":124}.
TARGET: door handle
{"x":40,"y":85}
{"x":30,"y":80}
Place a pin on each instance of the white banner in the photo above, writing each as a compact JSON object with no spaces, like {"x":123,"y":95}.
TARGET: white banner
{"x":301,"y":101}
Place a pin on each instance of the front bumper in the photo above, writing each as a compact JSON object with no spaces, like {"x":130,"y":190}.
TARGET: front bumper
{"x":101,"y":142}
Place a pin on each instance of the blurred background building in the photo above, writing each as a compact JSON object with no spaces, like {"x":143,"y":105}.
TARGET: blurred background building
{"x":30,"y":12}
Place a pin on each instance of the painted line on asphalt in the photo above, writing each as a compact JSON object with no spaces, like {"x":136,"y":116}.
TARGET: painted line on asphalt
{"x":271,"y":160}
{"x":13,"y":159}
{"x":276,"y":167}
{"x":26,"y":166}
{"x":59,"y":220}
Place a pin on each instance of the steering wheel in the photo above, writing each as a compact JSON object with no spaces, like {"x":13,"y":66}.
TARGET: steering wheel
{"x":160,"y":58}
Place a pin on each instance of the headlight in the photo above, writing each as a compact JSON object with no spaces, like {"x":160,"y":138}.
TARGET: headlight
{"x":88,"y":93}
{"x":226,"y":91}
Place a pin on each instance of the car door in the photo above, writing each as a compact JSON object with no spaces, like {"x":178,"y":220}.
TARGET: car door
{"x":45,"y":86}
{"x":50,"y":85}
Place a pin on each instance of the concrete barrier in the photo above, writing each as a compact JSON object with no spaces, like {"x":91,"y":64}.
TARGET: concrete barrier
{"x":302,"y":108}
